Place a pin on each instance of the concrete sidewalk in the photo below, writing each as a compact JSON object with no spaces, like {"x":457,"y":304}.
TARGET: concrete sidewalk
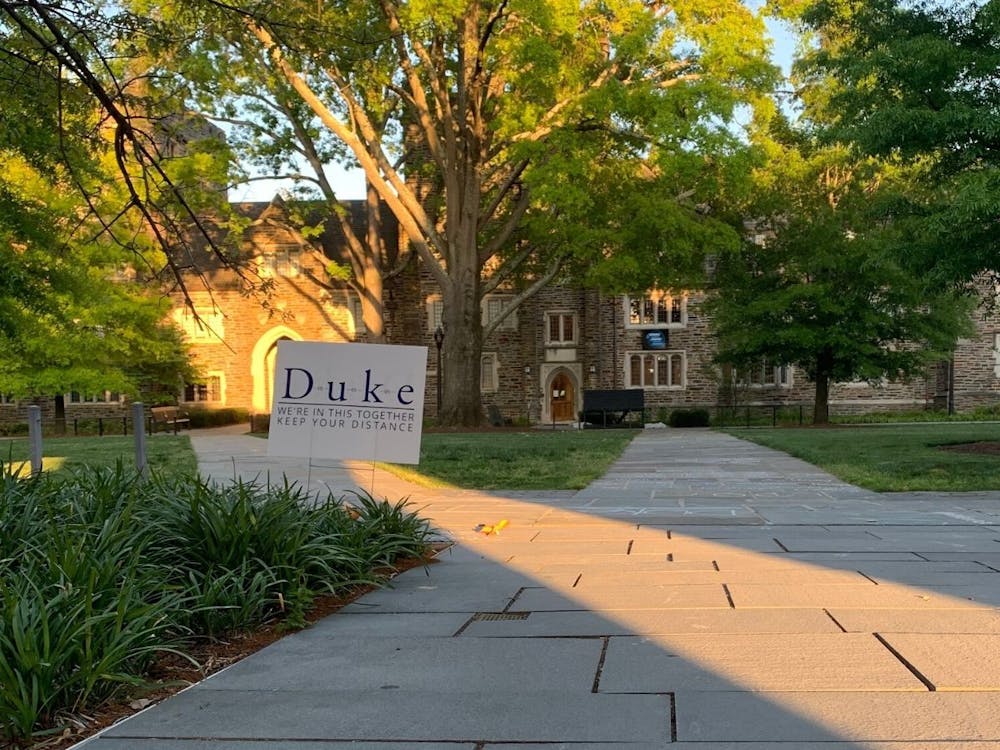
{"x":706,"y":593}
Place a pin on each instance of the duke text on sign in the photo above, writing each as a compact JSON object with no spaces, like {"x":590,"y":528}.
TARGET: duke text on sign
{"x":348,"y":401}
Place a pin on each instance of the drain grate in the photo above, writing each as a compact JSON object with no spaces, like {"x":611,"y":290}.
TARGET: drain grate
{"x":499,"y":616}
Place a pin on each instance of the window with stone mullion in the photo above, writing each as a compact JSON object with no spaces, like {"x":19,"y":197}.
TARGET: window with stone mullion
{"x":656,"y":370}
{"x":562,"y":328}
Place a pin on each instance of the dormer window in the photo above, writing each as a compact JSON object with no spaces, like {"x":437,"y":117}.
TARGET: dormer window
{"x":280,"y":260}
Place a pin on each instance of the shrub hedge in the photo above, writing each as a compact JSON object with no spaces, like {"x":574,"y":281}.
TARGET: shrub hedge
{"x":100,"y":572}
{"x":217,"y":417}
{"x":689,"y":418}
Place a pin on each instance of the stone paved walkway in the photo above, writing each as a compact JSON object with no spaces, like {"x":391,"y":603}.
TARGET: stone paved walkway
{"x":706,"y":593}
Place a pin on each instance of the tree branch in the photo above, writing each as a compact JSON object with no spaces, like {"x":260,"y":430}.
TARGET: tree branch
{"x":63,"y":50}
{"x":513,"y":221}
{"x":536,"y":286}
{"x":414,"y":222}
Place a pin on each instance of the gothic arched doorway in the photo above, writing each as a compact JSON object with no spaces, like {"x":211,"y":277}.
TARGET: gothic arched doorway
{"x":262,"y":361}
{"x":562,"y":398}
{"x":269,"y":359}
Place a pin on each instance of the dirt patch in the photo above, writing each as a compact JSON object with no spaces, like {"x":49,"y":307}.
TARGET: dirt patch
{"x":171,"y":673}
{"x":986,"y":448}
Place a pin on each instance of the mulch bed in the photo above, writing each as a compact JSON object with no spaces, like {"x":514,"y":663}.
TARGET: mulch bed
{"x":987,"y":448}
{"x":171,"y":673}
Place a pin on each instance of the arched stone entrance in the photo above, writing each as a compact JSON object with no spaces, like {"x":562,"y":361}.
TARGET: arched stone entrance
{"x":262,"y":365}
{"x":561,"y":396}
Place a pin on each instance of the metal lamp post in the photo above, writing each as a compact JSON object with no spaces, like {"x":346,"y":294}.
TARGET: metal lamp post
{"x":438,"y":341}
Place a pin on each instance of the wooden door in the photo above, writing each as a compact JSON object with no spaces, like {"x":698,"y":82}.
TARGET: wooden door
{"x":562,"y":406}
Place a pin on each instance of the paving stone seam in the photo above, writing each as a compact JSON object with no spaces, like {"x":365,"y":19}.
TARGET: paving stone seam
{"x":596,"y":686}
{"x":264,"y":741}
{"x":906,"y":663}
{"x":406,"y":611}
{"x":729,"y":596}
{"x":673,"y":717}
{"x":465,"y":625}
{"x":835,"y":621}
{"x":516,"y":596}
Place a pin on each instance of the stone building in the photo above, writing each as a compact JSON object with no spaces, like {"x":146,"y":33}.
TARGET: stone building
{"x":535,"y":365}
{"x":233,"y":323}
{"x":541,"y":357}
{"x":972,"y":378}
{"x":567,"y":340}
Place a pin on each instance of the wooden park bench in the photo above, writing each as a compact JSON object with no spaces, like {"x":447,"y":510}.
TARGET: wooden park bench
{"x":168,"y":418}
{"x":612,"y":408}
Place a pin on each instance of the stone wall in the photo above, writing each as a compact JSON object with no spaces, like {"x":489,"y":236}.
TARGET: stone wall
{"x":299,"y":309}
{"x":527,"y":363}
{"x":977,"y":363}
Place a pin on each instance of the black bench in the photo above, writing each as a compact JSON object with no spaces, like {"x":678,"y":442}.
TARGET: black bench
{"x":610,"y":408}
{"x":168,"y":418}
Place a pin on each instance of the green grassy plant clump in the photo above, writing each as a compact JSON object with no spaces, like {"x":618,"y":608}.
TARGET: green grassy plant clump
{"x":100,"y":572}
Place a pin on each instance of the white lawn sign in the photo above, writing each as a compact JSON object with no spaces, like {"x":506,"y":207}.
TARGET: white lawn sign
{"x":348,"y":401}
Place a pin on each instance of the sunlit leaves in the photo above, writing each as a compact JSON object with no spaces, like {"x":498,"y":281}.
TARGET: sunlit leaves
{"x":917,"y":81}
{"x":66,"y":321}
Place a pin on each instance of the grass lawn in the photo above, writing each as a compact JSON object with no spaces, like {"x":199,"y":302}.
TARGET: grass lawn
{"x":894,"y":458}
{"x":165,"y":452}
{"x":531,"y":460}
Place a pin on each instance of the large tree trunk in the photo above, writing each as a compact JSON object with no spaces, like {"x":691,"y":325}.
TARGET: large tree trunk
{"x":461,"y":293}
{"x":821,"y":406}
{"x":372,"y":307}
{"x":372,"y":281}
{"x":461,"y":404}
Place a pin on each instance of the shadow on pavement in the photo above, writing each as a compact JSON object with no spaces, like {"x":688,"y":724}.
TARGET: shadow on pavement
{"x":706,"y":593}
